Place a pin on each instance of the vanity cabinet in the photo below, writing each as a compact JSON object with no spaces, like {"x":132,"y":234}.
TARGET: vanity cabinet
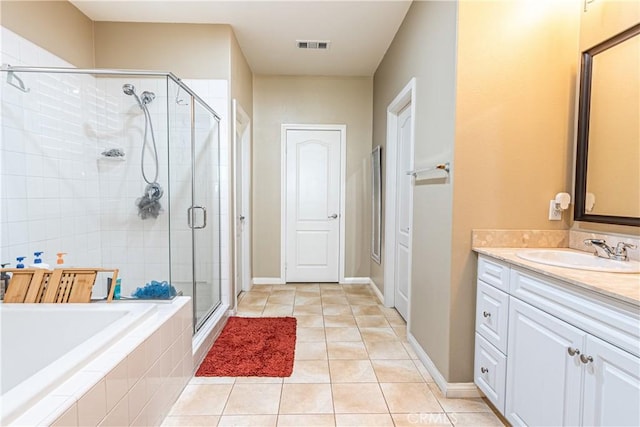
{"x":570,"y":356}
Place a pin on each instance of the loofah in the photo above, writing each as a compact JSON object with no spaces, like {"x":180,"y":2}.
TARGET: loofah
{"x":155,"y":290}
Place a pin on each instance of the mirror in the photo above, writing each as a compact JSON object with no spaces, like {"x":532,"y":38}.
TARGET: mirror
{"x":608,"y":148}
{"x":376,"y":205}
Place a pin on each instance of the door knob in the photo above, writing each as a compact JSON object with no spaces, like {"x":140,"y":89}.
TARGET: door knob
{"x":241,"y":217}
{"x":334,"y":216}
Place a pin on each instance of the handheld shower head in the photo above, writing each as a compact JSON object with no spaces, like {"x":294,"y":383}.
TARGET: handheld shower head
{"x":129,"y":89}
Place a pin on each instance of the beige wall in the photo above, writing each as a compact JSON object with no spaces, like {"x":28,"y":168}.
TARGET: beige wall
{"x":509,"y":135}
{"x":310,"y":100}
{"x":514,"y":133}
{"x":241,"y":77}
{"x":190,"y":51}
{"x":425,"y":48}
{"x":57,"y":26}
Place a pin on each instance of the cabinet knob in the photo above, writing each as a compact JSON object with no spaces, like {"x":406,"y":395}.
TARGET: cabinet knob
{"x":585,"y":359}
{"x":573,"y":351}
{"x":486,"y":314}
{"x":484,"y":370}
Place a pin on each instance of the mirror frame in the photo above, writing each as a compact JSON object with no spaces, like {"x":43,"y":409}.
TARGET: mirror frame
{"x":582,"y":148}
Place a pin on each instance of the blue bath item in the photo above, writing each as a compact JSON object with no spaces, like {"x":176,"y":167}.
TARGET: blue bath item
{"x":155,"y":290}
{"x":20,"y":259}
{"x":37,"y":256}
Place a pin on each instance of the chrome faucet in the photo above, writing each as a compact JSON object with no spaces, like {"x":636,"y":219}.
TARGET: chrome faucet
{"x":617,"y":254}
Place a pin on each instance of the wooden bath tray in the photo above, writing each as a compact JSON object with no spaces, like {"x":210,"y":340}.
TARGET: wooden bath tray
{"x":34,"y":285}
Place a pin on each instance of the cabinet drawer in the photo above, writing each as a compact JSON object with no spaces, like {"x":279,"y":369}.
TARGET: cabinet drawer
{"x":489,"y":372}
{"x":611,"y":320}
{"x":494,"y":273}
{"x":492,"y":315}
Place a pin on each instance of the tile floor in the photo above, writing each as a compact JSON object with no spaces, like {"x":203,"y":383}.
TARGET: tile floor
{"x":353,"y":367}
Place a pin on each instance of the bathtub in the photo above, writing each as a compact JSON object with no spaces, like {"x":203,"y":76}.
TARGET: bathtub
{"x":57,"y":359}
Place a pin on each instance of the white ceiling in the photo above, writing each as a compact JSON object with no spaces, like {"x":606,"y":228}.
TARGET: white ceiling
{"x":360,"y":31}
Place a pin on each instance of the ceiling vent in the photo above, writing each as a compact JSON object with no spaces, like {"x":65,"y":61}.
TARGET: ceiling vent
{"x":313,"y":44}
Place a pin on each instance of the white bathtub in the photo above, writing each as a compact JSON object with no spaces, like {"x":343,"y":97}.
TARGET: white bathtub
{"x":54,"y":354}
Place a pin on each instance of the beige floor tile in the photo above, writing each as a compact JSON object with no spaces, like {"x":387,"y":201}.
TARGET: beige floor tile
{"x":421,"y":419}
{"x":342,"y":334}
{"x":287,"y":287}
{"x":334,"y":299}
{"x":310,"y":334}
{"x":212,"y":380}
{"x":412,"y":353}
{"x":378,"y":334}
{"x":343,"y":321}
{"x":459,"y":405}
{"x":362,"y":300}
{"x":253,"y":399}
{"x":307,"y":309}
{"x":390,"y":312}
{"x":306,"y":399}
{"x":307,"y":287}
{"x":352,"y":371}
{"x":401,"y":332}
{"x":302,"y":300}
{"x":372,"y":322}
{"x":423,"y":371}
{"x":309,"y":371}
{"x":191,"y":421}
{"x":310,"y":321}
{"x":362,"y":398}
{"x":396,"y":320}
{"x":254,"y":299}
{"x":248,"y":421}
{"x":308,"y":293}
{"x":261,"y":288}
{"x":330,"y":287}
{"x":366,"y":310}
{"x":259,"y":380}
{"x":386,"y":350}
{"x":475,"y":419}
{"x":362,"y":420}
{"x":249,"y":313}
{"x":276,"y":310}
{"x":315,"y":420}
{"x":284,"y":298}
{"x":409,"y":398}
{"x":206,"y":399}
{"x":347,"y":350}
{"x":336,"y":310}
{"x":311,"y":350}
{"x":396,"y":371}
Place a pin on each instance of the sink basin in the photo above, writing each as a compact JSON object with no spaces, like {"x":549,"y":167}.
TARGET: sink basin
{"x":579,"y":260}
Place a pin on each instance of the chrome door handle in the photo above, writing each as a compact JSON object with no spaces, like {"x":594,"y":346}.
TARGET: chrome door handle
{"x":334,"y":216}
{"x":190,"y":217}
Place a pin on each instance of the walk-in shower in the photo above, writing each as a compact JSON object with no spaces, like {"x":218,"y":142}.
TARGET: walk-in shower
{"x":76,"y":157}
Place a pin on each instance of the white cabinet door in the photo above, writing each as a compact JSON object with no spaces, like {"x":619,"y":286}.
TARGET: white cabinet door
{"x":611,"y":386}
{"x":543,"y":380}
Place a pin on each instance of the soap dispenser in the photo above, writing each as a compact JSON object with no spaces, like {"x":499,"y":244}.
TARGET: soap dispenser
{"x":37,"y":262}
{"x":20,"y":259}
{"x":60,"y":259}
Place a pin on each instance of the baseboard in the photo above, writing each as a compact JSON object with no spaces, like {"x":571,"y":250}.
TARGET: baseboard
{"x":267,"y":281}
{"x":376,"y":290}
{"x":355,"y":281}
{"x":449,"y":390}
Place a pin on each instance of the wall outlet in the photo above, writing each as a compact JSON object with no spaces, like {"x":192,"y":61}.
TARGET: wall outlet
{"x":554,"y":214}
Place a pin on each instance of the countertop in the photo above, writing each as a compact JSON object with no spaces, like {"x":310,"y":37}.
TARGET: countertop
{"x":621,"y":286}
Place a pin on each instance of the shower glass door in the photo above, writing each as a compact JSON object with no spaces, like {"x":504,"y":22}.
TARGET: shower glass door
{"x":195,"y":220}
{"x":204,"y":213}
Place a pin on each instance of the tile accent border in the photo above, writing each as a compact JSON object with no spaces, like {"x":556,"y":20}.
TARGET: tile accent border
{"x":520,"y":238}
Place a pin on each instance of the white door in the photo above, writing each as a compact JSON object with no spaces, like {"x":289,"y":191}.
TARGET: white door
{"x":404,"y":206}
{"x":543,"y":378}
{"x":312,"y":205}
{"x":611,"y":386}
{"x":242,"y":146}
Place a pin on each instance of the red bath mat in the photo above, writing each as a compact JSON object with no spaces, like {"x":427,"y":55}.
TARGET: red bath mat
{"x":252,"y":346}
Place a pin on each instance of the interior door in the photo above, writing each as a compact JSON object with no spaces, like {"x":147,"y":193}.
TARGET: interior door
{"x":404,"y":206}
{"x":312,"y":205}
{"x":242,"y":153}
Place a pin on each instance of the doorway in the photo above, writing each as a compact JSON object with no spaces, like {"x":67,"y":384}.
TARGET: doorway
{"x":242,"y":192}
{"x":399,"y":200}
{"x":312,"y":203}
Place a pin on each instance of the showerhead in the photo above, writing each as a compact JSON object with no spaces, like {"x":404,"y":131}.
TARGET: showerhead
{"x":129,"y":89}
{"x":147,"y":97}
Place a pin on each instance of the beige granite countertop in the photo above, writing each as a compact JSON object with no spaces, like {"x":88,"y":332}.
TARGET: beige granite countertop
{"x":621,"y":286}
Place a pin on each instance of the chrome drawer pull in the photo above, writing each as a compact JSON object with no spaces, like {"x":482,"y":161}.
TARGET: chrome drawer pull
{"x":573,"y":351}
